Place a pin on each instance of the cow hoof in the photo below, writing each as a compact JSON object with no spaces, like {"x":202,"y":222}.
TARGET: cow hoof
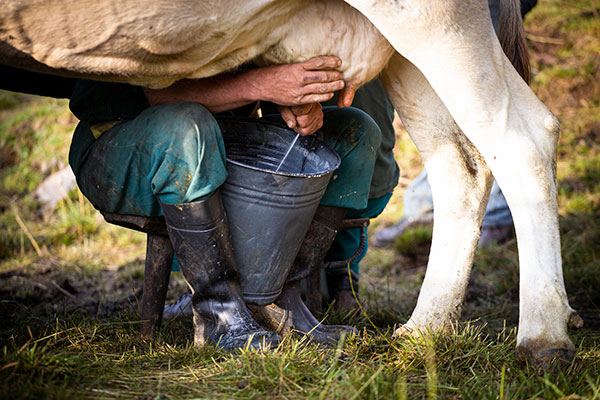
{"x":575,"y":321}
{"x":402,"y":331}
{"x":413,"y":330}
{"x":547,"y":358}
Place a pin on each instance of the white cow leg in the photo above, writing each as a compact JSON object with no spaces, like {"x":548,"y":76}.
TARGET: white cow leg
{"x":460,"y":57}
{"x":460,"y":182}
{"x":524,"y":163}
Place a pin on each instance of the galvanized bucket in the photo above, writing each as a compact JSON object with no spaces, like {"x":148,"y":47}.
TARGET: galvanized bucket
{"x":269,"y":211}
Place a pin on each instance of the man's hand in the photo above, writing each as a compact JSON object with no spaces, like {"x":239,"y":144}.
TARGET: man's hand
{"x":291,"y":85}
{"x":304,"y":119}
{"x":311,"y":81}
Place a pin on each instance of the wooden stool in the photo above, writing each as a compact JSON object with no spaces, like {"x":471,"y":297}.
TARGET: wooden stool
{"x":159,"y":258}
{"x":314,"y":298}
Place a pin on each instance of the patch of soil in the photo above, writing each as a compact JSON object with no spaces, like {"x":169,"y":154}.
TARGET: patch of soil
{"x":46,"y":287}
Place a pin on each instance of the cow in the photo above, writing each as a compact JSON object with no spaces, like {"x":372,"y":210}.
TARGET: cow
{"x":470,"y":114}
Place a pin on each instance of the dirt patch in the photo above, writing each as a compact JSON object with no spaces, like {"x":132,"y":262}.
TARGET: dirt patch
{"x":46,"y":286}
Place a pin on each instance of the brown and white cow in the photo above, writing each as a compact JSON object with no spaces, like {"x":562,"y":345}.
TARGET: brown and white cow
{"x":466,"y":108}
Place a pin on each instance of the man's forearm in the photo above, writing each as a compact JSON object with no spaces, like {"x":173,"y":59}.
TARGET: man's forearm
{"x":218,"y":93}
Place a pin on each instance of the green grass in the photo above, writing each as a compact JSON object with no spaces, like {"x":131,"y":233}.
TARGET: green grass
{"x":410,"y":242}
{"x":70,"y":283}
{"x":79,"y":356}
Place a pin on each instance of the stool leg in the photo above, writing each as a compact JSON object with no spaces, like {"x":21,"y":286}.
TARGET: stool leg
{"x":159,"y":257}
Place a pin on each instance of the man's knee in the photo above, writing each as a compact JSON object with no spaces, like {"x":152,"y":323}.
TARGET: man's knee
{"x":182,"y":124}
{"x":368,"y":131}
{"x":188,"y":153}
{"x":353,"y":130}
{"x":183,"y":119}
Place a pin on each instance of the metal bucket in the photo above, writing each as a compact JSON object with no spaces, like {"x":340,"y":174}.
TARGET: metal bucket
{"x":269,"y":212}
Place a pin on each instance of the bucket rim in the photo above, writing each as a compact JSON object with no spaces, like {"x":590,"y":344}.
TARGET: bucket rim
{"x":260,"y":121}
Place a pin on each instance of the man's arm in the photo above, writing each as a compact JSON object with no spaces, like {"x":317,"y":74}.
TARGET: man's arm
{"x":297,"y":87}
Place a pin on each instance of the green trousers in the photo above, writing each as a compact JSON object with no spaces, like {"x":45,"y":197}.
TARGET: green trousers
{"x":175,"y":154}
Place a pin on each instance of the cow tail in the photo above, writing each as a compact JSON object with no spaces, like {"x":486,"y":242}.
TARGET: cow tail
{"x":512,"y":36}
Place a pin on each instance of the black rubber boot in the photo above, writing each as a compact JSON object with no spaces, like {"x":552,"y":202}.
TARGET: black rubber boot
{"x":342,"y":289}
{"x":289,"y":313}
{"x":200,"y":238}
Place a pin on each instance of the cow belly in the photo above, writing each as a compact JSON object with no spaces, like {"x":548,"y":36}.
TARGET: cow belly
{"x":154,"y":43}
{"x":151,"y":43}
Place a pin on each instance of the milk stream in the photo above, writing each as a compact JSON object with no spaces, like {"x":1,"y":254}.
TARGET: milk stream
{"x":288,"y":151}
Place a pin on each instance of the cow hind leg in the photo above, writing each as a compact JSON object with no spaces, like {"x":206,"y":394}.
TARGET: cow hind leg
{"x":461,"y":58}
{"x":460,"y":182}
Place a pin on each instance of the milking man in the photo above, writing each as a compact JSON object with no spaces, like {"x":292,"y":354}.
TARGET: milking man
{"x":160,"y":152}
